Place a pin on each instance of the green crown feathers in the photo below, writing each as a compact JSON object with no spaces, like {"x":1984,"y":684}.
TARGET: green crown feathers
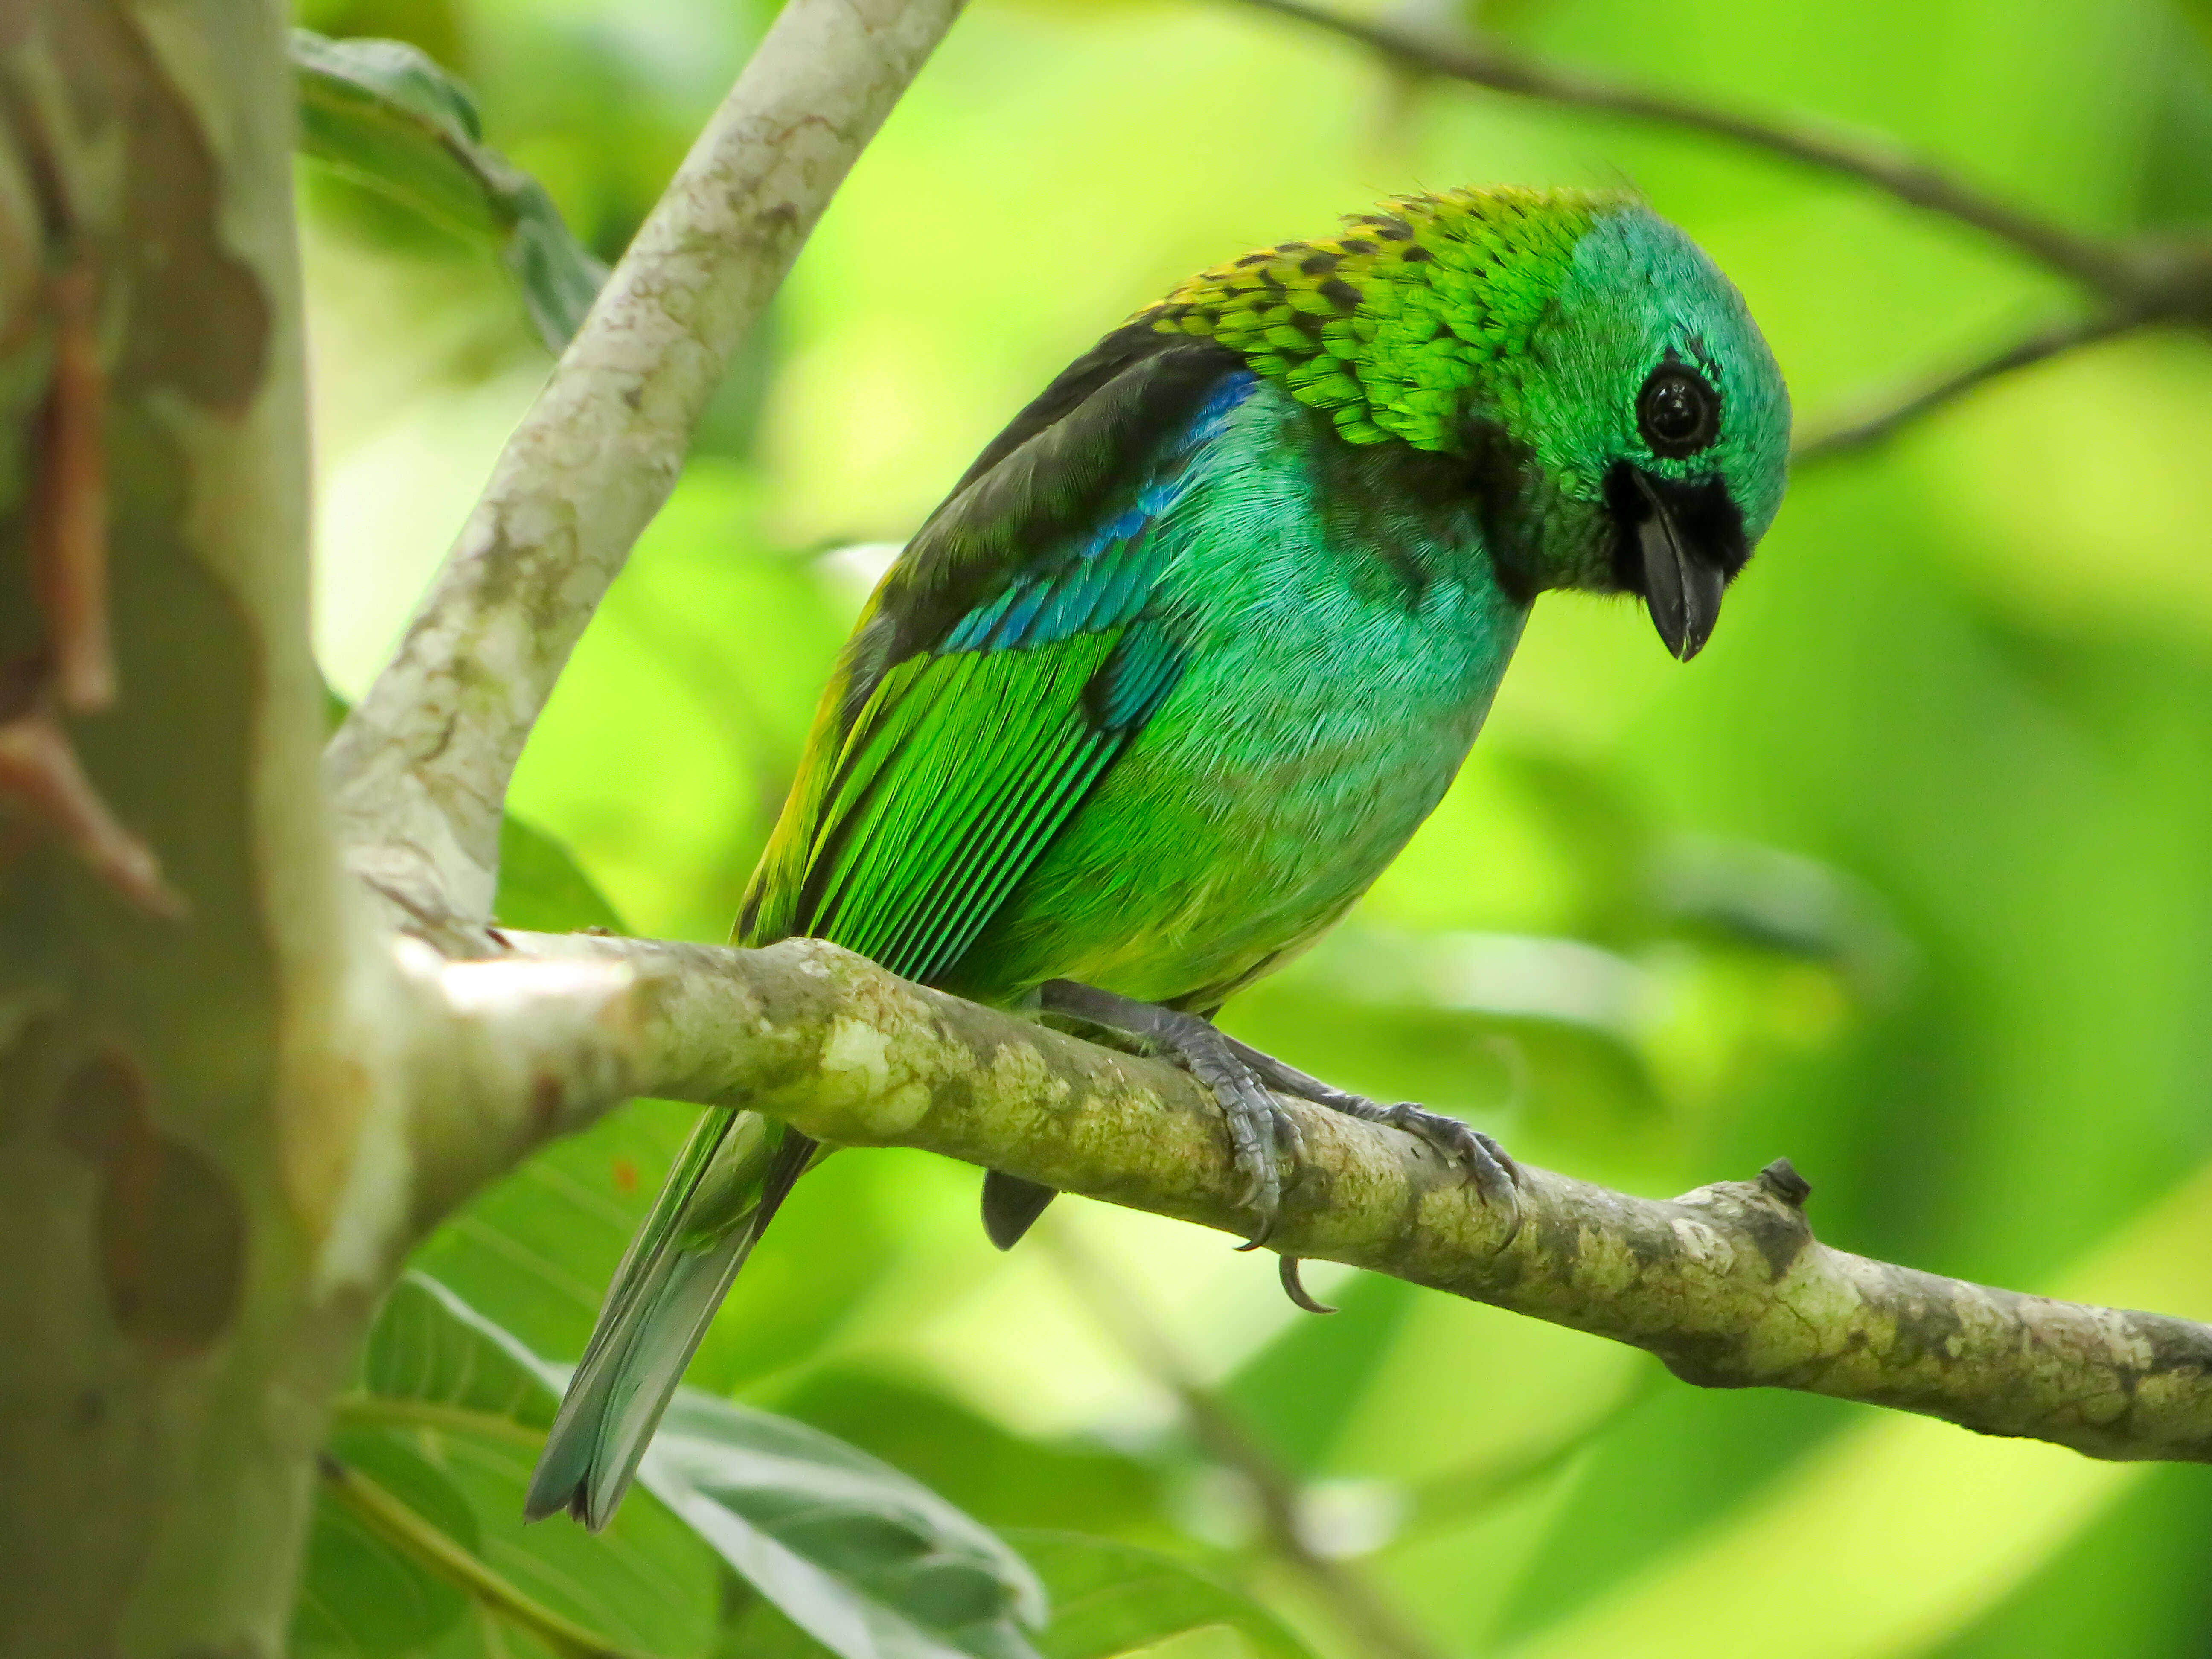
{"x":1385,"y":327}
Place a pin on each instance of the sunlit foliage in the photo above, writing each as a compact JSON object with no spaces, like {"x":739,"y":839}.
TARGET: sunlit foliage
{"x":1907,"y":877}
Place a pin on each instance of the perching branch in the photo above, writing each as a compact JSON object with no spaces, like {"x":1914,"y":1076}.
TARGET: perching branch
{"x":422,"y":765}
{"x":1726,"y":1285}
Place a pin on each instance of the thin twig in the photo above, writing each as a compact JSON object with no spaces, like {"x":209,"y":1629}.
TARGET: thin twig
{"x":1216,"y":1426}
{"x":2113,"y":272}
{"x":2038,"y":347}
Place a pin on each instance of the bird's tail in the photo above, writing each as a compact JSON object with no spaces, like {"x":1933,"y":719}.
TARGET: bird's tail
{"x":719,"y":1198}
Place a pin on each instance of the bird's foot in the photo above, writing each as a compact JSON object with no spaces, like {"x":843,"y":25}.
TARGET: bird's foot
{"x":1494,"y":1173}
{"x":1261,"y":1133}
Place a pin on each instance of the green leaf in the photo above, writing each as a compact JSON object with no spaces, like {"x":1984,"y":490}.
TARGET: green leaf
{"x":439,"y":1391}
{"x":870,"y":1563}
{"x":541,"y":1244}
{"x":386,"y":116}
{"x":866,"y":1561}
{"x":362,"y":1594}
{"x":1111,"y":1598}
{"x":542,"y":887}
{"x":1001,"y":1477}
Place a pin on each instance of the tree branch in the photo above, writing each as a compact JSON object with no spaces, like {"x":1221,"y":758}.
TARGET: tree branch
{"x":1885,"y":165}
{"x":2030,"y":349}
{"x":421,"y":767}
{"x":1726,"y":1284}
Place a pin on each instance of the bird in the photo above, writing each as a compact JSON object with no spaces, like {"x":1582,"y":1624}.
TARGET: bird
{"x":1192,"y":649}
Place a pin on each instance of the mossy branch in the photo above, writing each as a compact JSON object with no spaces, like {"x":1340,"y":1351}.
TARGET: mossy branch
{"x":1726,"y":1285}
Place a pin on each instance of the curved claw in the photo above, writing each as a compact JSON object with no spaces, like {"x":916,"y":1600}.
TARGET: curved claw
{"x":1289,"y":1148}
{"x":1288,"y":1272}
{"x":1498,"y":1179}
{"x":1258,"y":1125}
{"x":1493,"y":1172}
{"x":1261,"y":1130}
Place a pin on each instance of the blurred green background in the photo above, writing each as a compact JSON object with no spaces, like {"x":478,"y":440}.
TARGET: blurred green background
{"x":1909,"y":877}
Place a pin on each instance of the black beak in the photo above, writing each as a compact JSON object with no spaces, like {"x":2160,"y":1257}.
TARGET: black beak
{"x":1679,"y":544}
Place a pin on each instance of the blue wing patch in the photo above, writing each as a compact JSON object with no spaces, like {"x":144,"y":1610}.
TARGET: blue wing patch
{"x":1107,"y":581}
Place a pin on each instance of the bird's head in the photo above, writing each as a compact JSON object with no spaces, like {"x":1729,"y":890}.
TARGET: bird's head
{"x":1612,"y":406}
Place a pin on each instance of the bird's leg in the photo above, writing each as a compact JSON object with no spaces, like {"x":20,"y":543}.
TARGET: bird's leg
{"x":1494,"y":1173}
{"x":1258,"y":1128}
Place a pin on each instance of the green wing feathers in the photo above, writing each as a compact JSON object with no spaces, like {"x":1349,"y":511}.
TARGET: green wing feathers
{"x":956,"y":776}
{"x":1006,"y":661}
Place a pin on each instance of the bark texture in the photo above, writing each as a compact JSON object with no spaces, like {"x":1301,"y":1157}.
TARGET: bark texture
{"x":175,"y":935}
{"x":1726,"y":1284}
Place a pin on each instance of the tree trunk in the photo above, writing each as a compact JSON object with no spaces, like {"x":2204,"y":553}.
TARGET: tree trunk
{"x":165,"y":1350}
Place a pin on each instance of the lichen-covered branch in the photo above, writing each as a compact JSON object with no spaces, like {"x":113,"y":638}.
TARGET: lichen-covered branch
{"x":421,"y":767}
{"x":1726,"y":1285}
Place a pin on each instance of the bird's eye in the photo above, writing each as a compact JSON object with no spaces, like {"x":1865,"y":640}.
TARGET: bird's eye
{"x":1678,"y":411}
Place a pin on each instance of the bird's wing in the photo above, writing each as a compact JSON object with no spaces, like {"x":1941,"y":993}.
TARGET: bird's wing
{"x":1004,"y":662}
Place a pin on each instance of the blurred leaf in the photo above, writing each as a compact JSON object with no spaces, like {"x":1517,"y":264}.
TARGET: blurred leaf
{"x":391,"y":1518}
{"x":1111,"y":1598}
{"x":2198,"y":14}
{"x":541,"y":1244}
{"x":386,"y":116}
{"x":993,"y":1474}
{"x":2112,"y":1591}
{"x":1298,"y":1391}
{"x":2175,"y":191}
{"x":443,"y":1427}
{"x":433,"y":25}
{"x":361,"y":1592}
{"x":543,"y":888}
{"x":1784,"y":903}
{"x":1586,"y":817}
{"x":1108,"y":1598}
{"x":868,"y":1562}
